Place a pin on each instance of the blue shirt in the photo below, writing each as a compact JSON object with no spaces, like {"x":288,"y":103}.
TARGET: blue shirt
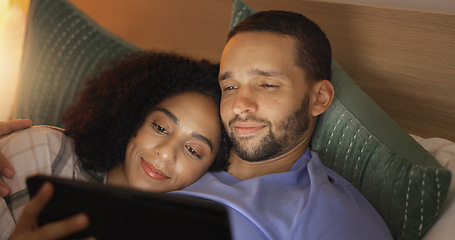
{"x":308,"y":202}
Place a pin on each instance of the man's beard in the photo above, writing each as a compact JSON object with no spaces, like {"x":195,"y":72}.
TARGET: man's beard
{"x":273,"y":144}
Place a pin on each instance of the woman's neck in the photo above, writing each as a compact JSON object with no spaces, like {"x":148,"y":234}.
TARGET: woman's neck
{"x":116,"y":176}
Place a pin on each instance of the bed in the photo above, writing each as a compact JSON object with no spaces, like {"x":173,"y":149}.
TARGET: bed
{"x":398,"y":63}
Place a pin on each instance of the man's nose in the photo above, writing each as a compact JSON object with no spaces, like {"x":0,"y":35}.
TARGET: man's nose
{"x":244,"y":101}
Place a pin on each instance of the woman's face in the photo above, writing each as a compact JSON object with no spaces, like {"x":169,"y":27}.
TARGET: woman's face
{"x":176,"y":144}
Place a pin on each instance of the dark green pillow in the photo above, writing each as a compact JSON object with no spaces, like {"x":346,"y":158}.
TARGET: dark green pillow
{"x":362,"y":143}
{"x":62,"y":46}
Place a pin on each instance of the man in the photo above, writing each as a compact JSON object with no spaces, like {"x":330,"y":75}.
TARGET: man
{"x":6,"y":169}
{"x":274,"y":76}
{"x":274,"y":73}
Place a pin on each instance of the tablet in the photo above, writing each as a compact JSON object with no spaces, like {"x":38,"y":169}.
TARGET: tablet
{"x":123,"y":213}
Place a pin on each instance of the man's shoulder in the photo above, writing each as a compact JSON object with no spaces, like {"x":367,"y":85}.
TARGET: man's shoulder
{"x":35,"y":142}
{"x":44,"y":129}
{"x":39,"y":130}
{"x":342,"y":206}
{"x":318,"y":171}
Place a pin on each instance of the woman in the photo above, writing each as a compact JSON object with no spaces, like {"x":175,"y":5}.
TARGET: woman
{"x":150,"y":121}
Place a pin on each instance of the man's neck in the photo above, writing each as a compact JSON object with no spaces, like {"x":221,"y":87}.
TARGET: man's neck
{"x":243,"y":170}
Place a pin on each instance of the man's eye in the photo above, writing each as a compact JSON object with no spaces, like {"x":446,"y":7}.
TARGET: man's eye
{"x":159,"y":128}
{"x":268,"y":85}
{"x":193,"y":152}
{"x":229,"y":88}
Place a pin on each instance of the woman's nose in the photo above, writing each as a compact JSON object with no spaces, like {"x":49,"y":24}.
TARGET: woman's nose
{"x":166,"y":151}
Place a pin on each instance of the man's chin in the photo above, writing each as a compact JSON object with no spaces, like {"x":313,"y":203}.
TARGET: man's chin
{"x":248,"y":143}
{"x":251,"y":152}
{"x":245,"y":147}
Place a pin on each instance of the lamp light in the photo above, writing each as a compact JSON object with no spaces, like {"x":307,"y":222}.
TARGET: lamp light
{"x":12,"y":32}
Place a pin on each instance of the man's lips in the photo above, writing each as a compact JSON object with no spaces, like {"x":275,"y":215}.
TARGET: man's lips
{"x":247,"y":128}
{"x":152,"y":171}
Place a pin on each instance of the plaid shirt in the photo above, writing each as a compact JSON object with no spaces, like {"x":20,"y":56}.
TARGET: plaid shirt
{"x":40,"y":149}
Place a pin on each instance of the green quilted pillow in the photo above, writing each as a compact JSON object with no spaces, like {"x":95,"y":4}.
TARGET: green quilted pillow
{"x":362,"y":143}
{"x":62,"y":46}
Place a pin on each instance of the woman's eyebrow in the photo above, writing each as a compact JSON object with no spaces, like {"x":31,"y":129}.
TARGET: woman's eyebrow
{"x":204,"y":139}
{"x":195,"y":135}
{"x":170,"y":115}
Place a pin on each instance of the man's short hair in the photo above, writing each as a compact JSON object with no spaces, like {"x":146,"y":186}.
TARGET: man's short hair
{"x":313,"y":50}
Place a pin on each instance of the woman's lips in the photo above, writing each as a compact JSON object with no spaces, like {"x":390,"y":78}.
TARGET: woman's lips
{"x":152,"y":171}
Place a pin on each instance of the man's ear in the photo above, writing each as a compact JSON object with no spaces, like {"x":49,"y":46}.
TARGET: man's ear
{"x":322,"y":97}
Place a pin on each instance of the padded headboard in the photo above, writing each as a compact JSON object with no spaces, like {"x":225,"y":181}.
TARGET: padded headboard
{"x":404,"y":59}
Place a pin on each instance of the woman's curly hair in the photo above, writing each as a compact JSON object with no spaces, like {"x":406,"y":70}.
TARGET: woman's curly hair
{"x":113,"y":104}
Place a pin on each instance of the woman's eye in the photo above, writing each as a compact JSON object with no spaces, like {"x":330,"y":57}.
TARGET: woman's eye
{"x":193,"y":152}
{"x":159,"y":128}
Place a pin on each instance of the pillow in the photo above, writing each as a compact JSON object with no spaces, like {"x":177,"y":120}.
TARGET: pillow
{"x":444,"y":152}
{"x":62,"y":46}
{"x":359,"y":141}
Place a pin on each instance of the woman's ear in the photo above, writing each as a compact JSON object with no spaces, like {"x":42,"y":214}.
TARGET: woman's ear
{"x":323,"y":94}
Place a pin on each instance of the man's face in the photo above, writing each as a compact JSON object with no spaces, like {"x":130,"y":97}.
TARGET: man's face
{"x":264,"y":104}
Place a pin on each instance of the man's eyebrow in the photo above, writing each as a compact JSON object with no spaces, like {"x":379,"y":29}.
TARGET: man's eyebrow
{"x":170,"y":115}
{"x":265,"y":73}
{"x":224,"y":76}
{"x":204,"y":139}
{"x":256,"y":71}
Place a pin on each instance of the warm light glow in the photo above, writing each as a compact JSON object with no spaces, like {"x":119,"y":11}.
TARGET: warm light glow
{"x":4,"y":6}
{"x":12,"y":30}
